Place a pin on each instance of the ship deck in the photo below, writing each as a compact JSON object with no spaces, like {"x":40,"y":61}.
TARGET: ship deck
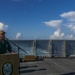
{"x":49,"y":66}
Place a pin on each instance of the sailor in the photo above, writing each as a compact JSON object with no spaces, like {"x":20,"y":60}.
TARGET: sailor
{"x":4,"y":44}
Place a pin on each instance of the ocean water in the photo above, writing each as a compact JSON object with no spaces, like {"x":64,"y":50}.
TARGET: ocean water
{"x":48,"y":48}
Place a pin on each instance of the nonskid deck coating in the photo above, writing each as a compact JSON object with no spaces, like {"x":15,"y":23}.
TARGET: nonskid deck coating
{"x":48,"y":67}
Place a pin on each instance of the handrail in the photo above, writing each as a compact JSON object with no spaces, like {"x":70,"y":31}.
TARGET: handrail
{"x":16,"y":45}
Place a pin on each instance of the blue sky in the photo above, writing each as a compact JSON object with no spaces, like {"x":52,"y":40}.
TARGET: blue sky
{"x":38,"y":19}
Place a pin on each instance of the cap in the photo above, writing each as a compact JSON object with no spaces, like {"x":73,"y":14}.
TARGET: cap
{"x":2,"y":32}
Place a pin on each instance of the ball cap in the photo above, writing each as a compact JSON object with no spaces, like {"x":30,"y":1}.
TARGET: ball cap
{"x":2,"y":32}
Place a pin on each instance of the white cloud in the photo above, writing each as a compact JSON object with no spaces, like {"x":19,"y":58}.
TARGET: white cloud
{"x":53,"y":23}
{"x":71,"y":27}
{"x":71,"y":36}
{"x":60,"y":35}
{"x":19,"y":36}
{"x":70,"y":16}
{"x":68,"y":23}
{"x":57,"y":34}
{"x":3,"y":26}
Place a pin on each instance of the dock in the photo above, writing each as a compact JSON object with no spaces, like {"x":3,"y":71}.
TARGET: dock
{"x":49,"y":66}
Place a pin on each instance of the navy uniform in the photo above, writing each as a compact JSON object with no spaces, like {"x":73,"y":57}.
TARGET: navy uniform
{"x":4,"y":45}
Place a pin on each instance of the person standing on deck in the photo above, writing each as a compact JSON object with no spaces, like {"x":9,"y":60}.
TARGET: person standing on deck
{"x":4,"y":44}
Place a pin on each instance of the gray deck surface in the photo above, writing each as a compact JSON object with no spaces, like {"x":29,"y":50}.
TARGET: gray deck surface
{"x":48,"y":67}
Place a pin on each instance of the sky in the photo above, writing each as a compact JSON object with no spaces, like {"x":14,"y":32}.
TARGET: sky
{"x":38,"y":19}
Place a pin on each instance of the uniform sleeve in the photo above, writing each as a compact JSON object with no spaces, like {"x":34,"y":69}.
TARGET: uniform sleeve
{"x":9,"y":47}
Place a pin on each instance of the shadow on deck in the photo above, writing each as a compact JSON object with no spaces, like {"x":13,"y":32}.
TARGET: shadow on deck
{"x":48,"y":67}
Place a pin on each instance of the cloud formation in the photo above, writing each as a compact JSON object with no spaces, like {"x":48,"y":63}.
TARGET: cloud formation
{"x":3,"y":26}
{"x":60,"y":35}
{"x":57,"y":34}
{"x":71,"y":36}
{"x":53,"y":23}
{"x":19,"y":36}
{"x":71,"y":27}
{"x":67,"y":23}
{"x":70,"y":16}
